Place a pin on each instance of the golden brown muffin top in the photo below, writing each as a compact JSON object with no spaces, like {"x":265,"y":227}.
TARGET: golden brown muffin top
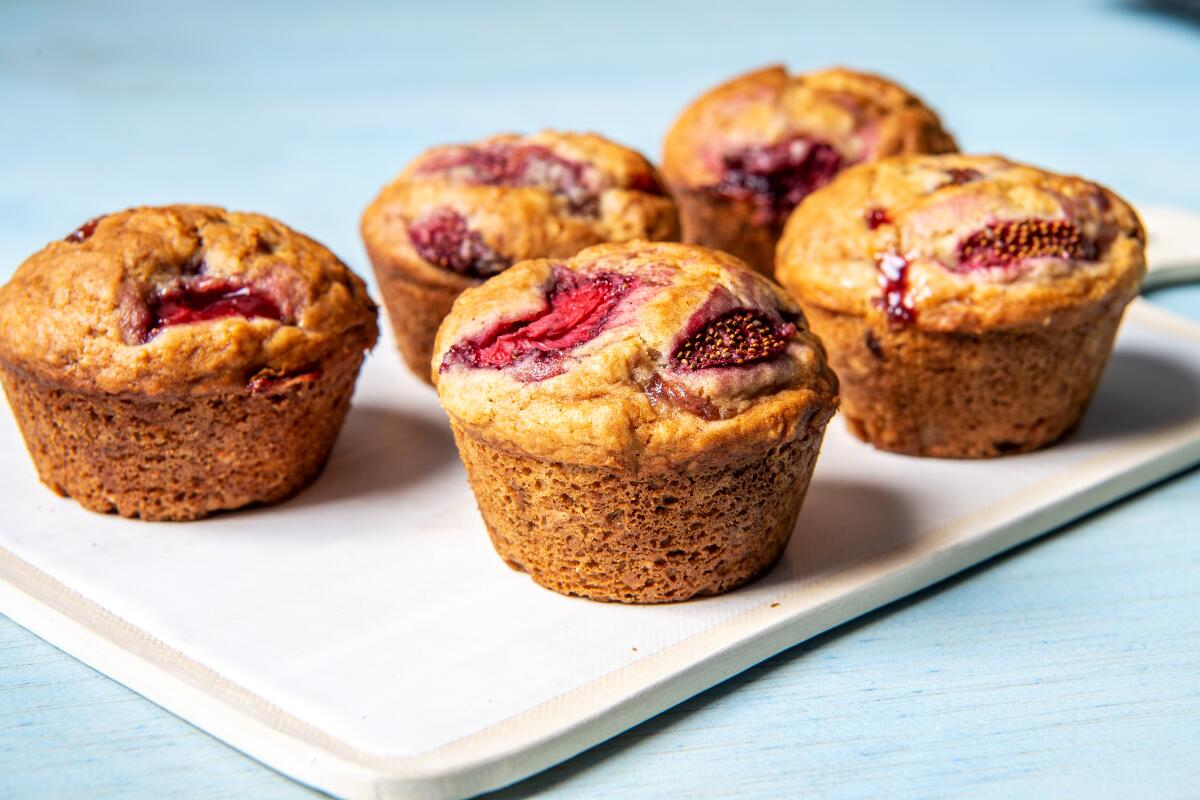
{"x":962,"y":243}
{"x":639,"y":355}
{"x":182,"y":300}
{"x":769,"y":130}
{"x":461,"y":213}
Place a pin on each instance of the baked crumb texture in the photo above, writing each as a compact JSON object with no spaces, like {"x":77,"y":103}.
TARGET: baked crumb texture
{"x":167,"y":363}
{"x":640,"y":422}
{"x":969,"y":303}
{"x":740,"y":158}
{"x":602,"y":534}
{"x":180,"y":458}
{"x":460,"y":214}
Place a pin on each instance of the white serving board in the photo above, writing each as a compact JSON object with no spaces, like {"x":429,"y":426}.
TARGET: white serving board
{"x":365,"y":639}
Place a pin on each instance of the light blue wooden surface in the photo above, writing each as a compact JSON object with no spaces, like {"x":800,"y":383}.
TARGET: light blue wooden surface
{"x":1069,"y":668}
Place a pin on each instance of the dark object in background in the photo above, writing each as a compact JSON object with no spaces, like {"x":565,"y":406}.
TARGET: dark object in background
{"x":1187,"y":10}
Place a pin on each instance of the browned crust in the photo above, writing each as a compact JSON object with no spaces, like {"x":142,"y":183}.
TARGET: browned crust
{"x":414,"y":309}
{"x":605,"y":535}
{"x":384,"y":231}
{"x":62,"y":314}
{"x":827,"y":255}
{"x":518,"y":222}
{"x":597,"y":412}
{"x":963,"y":395}
{"x":181,"y":458}
{"x":768,"y":105}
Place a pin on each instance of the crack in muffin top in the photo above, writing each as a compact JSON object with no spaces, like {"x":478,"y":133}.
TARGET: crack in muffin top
{"x":638,"y":354}
{"x":772,"y":138}
{"x":182,"y":300}
{"x":963,"y":243}
{"x":461,"y":213}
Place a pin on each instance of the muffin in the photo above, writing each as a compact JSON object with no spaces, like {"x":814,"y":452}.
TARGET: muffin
{"x":741,"y":157}
{"x":166,"y":363}
{"x":639,"y":423}
{"x":969,"y":303}
{"x":460,"y":214}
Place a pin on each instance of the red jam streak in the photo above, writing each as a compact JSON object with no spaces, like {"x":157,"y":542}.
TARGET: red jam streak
{"x":733,"y":339}
{"x":874,"y":217}
{"x":894,"y":301}
{"x":267,"y":383}
{"x":444,"y":239}
{"x":504,"y":164}
{"x":775,"y":178}
{"x":663,"y":392}
{"x":84,"y":231}
{"x":1007,"y":244}
{"x":577,"y":309}
{"x":962,"y":175}
{"x":206,"y":299}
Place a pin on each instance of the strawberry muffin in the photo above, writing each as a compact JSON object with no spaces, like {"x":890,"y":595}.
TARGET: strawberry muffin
{"x":969,"y":303}
{"x":460,"y":214}
{"x":640,"y":422}
{"x":743,"y":155}
{"x":167,"y":363}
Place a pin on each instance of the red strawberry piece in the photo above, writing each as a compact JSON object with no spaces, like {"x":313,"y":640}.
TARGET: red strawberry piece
{"x":519,"y":165}
{"x":776,"y":177}
{"x":577,"y":309}
{"x":962,"y":175}
{"x":206,"y":299}
{"x":1006,"y":244}
{"x":444,"y":238}
{"x":874,"y":217}
{"x":84,"y":231}
{"x":733,"y":339}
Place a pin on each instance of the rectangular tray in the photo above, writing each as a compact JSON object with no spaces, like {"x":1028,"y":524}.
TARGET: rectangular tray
{"x":365,"y":639}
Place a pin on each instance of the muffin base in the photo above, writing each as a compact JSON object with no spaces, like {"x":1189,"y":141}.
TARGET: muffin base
{"x":959,"y":395}
{"x":180,"y":458}
{"x":710,"y":220}
{"x":415,"y":311}
{"x":602,"y":534}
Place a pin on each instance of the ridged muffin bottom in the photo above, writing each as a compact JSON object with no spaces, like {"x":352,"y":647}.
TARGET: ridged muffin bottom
{"x":415,"y":312}
{"x":722,"y":223}
{"x":180,"y":458}
{"x":607,"y":535}
{"x":958,"y":395}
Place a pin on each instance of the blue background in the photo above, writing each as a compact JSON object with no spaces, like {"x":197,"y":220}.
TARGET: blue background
{"x":1069,"y":667}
